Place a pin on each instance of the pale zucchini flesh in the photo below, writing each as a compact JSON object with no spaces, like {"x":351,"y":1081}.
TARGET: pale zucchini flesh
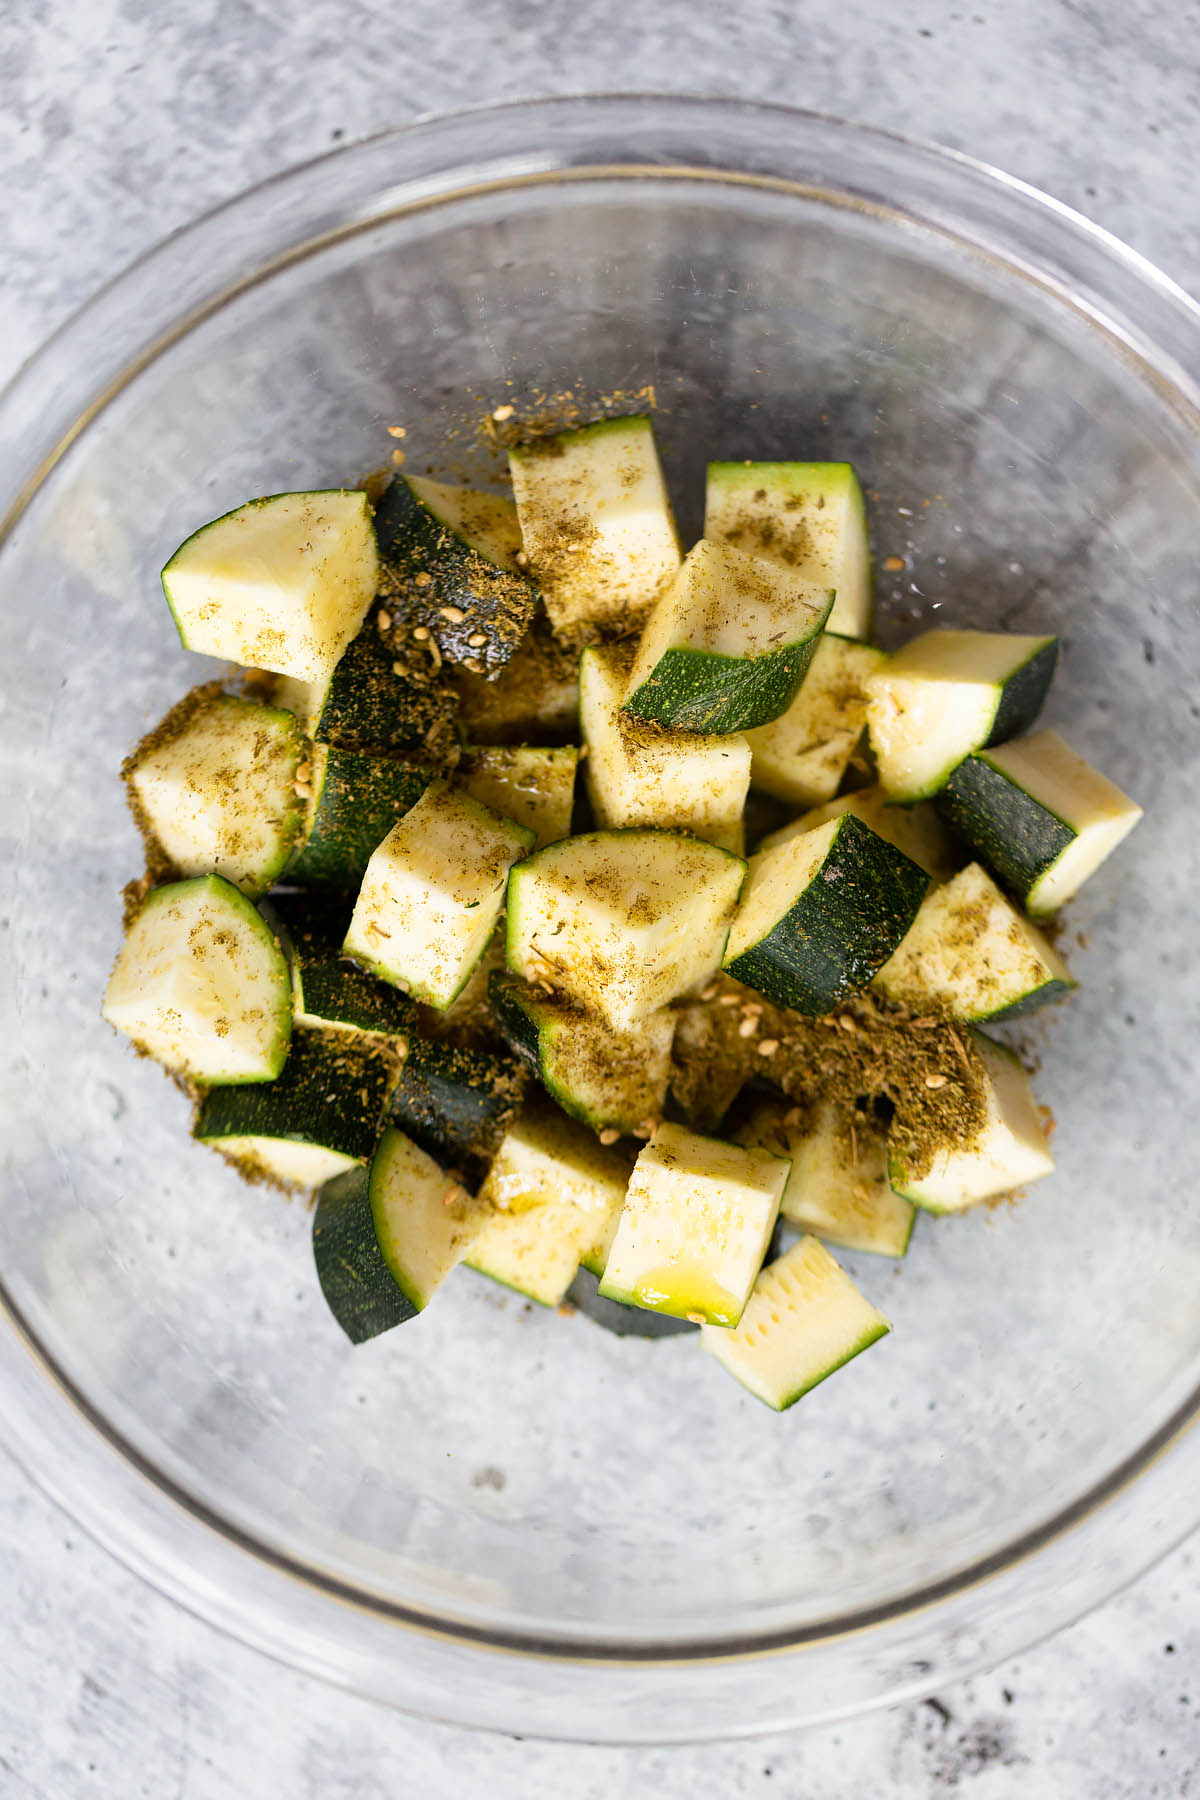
{"x":809,"y":516}
{"x":695,"y":1227}
{"x":639,"y":775}
{"x":424,"y":1223}
{"x":804,"y":1320}
{"x":1041,"y":817}
{"x":433,"y":892}
{"x":282,"y":583}
{"x":947,"y":693}
{"x":623,"y":921}
{"x":803,"y":755}
{"x":597,"y":526}
{"x":1008,"y":1152}
{"x":201,"y":984}
{"x":971,"y":955}
{"x":535,"y":787}
{"x":548,"y":1200}
{"x":838,"y":1188}
{"x":215,"y":785}
{"x":728,"y":643}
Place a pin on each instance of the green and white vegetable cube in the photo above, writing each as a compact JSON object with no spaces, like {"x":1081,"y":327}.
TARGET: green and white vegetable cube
{"x":611,"y":1080}
{"x":1041,"y":817}
{"x":696,"y":1224}
{"x":354,"y":800}
{"x":947,"y":693}
{"x":215,"y":784}
{"x":282,"y":583}
{"x":916,"y":829}
{"x":809,"y":516}
{"x":839,"y":1187}
{"x":727,"y":644}
{"x":821,"y":913}
{"x":450,"y":555}
{"x":804,"y":1319}
{"x":433,"y":892}
{"x":802,"y":755}
{"x":971,"y":955}
{"x":384,"y":1241}
{"x":638,"y":774}
{"x":202,"y":985}
{"x":623,"y":921}
{"x":550,"y":1198}
{"x":1009,"y":1151}
{"x":321,"y":1116}
{"x":597,"y":525}
{"x":533,"y":786}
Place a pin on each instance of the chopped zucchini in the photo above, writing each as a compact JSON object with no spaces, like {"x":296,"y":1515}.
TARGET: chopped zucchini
{"x":328,"y":990}
{"x":597,"y":526}
{"x":623,"y":921}
{"x":611,"y":1080}
{"x":802,"y":756}
{"x":916,"y":829}
{"x":1039,"y":815}
{"x":822,"y":913}
{"x":727,"y":644}
{"x":623,"y":1321}
{"x":971,"y":955}
{"x":433,"y":892}
{"x":380,"y":702}
{"x":1009,"y":1151}
{"x":838,"y":1188}
{"x":201,"y":984}
{"x":281,"y":583}
{"x":214,"y":785}
{"x":950,"y":692}
{"x":638,"y":774}
{"x":450,"y":560}
{"x":321,"y":1116}
{"x":810,"y":516}
{"x":533,"y":700}
{"x":457,"y":1103}
{"x":697,"y":1220}
{"x":804,"y":1319}
{"x":354,"y":801}
{"x":551,"y":1191}
{"x":534,"y":787}
{"x":384,"y":1241}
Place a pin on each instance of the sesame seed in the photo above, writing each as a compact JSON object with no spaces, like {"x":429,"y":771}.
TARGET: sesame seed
{"x":396,"y":431}
{"x":728,"y":1000}
{"x":847,"y":1024}
{"x":747,"y":1028}
{"x":935,"y":1081}
{"x":711,"y":990}
{"x":646,"y":1129}
{"x":609,"y":1135}
{"x":398,"y":668}
{"x":384,"y":621}
{"x":423,"y":578}
{"x":455,"y":614}
{"x":768,"y":1047}
{"x":473,"y":663}
{"x":421,"y":633}
{"x":500,"y":413}
{"x":398,"y":457}
{"x":477,"y":639}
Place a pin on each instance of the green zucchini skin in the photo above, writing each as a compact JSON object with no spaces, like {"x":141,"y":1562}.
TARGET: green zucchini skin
{"x":1023,"y":694}
{"x":697,"y":690}
{"x":1014,"y":834}
{"x":496,"y":604}
{"x":377,"y":704}
{"x":829,"y":945}
{"x":331,"y":1093}
{"x":328,"y":989}
{"x":356,"y":801}
{"x":359,"y":1288}
{"x":456,"y":1104}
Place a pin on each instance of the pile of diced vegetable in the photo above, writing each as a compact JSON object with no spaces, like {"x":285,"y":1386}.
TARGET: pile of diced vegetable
{"x":398,"y":959}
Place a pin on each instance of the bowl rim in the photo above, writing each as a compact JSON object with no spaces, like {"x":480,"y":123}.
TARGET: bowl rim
{"x":64,"y":415}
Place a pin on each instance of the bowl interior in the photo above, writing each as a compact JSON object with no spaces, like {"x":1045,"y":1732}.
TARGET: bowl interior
{"x":493,"y":1463}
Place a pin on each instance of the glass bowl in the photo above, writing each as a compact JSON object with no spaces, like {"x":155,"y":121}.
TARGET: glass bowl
{"x":496,"y":1515}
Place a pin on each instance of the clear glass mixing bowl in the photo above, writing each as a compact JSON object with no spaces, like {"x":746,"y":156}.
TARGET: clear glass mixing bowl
{"x":497,"y":1515}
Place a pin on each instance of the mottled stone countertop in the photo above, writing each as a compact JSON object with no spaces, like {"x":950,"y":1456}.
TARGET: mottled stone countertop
{"x":121,"y":120}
